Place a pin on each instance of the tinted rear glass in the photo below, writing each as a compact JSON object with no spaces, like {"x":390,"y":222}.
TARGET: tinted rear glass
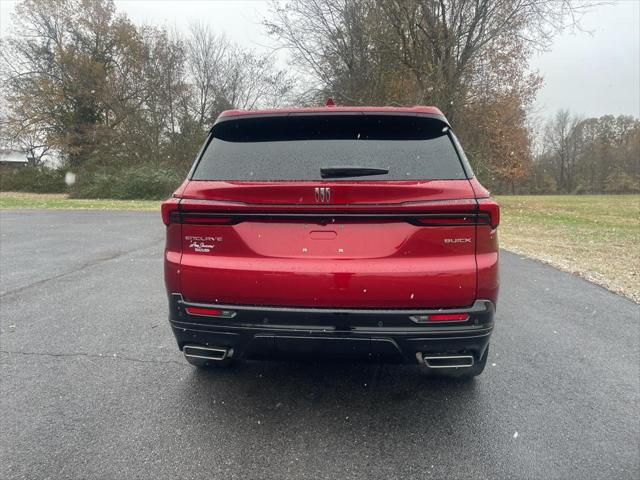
{"x":296,"y":147}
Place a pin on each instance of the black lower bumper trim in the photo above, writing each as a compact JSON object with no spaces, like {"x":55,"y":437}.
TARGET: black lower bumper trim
{"x":381,"y":335}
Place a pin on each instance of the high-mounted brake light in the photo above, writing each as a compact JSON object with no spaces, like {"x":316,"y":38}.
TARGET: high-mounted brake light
{"x":169,"y":206}
{"x":491,"y":208}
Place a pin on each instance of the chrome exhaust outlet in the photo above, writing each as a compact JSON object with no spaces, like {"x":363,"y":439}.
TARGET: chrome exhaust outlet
{"x":206,"y":353}
{"x":448,"y":361}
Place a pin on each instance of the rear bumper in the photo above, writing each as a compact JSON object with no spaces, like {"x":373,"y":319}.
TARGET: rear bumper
{"x":257,"y":332}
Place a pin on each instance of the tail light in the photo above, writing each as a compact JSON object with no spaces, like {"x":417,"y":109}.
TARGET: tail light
{"x":210,"y":312}
{"x":167,"y":208}
{"x":449,"y":317}
{"x":446,"y":220}
{"x":441,"y":317}
{"x":490,"y":208}
{"x":449,"y":213}
{"x":201,"y":219}
{"x":173,"y":245}
{"x":171,"y":214}
{"x":453,"y":213}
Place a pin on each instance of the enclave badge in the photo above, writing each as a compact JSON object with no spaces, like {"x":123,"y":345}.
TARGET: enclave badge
{"x":202,"y":244}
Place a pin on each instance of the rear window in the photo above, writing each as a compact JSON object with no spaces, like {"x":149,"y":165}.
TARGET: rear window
{"x":296,"y":147}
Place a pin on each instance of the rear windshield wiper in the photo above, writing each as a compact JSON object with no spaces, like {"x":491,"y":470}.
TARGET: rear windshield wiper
{"x":351,"y":171}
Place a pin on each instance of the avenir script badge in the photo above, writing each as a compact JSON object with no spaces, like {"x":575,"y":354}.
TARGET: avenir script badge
{"x":202,"y":244}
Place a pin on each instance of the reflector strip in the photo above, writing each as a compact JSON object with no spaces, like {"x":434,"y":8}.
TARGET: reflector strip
{"x":449,"y":317}
{"x":210,"y":312}
{"x":441,"y":317}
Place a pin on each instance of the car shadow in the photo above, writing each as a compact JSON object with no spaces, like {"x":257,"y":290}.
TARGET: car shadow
{"x":337,"y":400}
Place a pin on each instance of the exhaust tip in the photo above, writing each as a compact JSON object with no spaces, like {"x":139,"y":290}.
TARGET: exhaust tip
{"x":448,"y":361}
{"x":206,"y":353}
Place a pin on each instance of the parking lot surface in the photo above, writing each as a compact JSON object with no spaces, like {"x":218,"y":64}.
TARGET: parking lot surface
{"x":92,"y":384}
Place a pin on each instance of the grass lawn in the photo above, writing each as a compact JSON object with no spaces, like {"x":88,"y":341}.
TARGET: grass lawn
{"x":60,"y":201}
{"x":594,"y":236}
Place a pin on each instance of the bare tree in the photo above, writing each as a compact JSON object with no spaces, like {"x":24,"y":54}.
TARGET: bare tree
{"x":468,"y":57}
{"x":336,"y":42}
{"x":563,"y":143}
{"x":225,"y":76}
{"x":431,"y":49}
{"x":26,"y":139}
{"x":208,"y":58}
{"x":595,"y":155}
{"x":253,"y":82}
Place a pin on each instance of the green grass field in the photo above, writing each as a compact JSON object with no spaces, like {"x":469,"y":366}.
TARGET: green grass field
{"x":595,"y":236}
{"x":60,"y":201}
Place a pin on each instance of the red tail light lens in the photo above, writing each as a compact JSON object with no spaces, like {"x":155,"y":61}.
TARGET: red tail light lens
{"x":470,"y":219}
{"x":204,"y":311}
{"x":200,"y":219}
{"x":449,"y":317}
{"x":490,"y":207}
{"x":441,"y":317}
{"x":167,"y":208}
{"x":210,"y":312}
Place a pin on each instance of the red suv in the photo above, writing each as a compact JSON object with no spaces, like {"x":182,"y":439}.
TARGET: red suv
{"x":339,"y":232}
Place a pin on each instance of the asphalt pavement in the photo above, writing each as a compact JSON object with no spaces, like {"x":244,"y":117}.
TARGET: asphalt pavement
{"x":92,"y":384}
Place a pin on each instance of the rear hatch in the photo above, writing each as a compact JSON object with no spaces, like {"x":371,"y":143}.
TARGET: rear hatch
{"x":328,"y":210}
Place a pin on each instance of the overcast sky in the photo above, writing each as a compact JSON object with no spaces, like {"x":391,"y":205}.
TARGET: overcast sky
{"x":592,"y":72}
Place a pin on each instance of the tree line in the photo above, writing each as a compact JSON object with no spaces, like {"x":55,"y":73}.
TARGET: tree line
{"x":127,"y":107}
{"x":593,"y":155}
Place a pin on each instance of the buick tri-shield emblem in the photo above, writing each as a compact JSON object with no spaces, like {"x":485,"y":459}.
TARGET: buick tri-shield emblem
{"x":323,"y":194}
